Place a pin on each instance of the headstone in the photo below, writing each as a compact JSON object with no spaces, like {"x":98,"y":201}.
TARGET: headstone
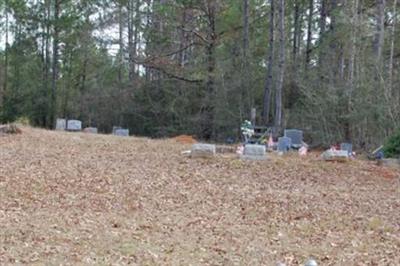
{"x":61,"y":124}
{"x":114,"y":129}
{"x":296,"y":136}
{"x":335,"y":155}
{"x":121,"y":132}
{"x":201,"y":150}
{"x":254,"y":152}
{"x":92,"y":130}
{"x":284,"y":144}
{"x":347,"y":147}
{"x":74,"y":125}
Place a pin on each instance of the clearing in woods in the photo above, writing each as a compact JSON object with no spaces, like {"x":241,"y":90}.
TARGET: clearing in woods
{"x":77,"y":198}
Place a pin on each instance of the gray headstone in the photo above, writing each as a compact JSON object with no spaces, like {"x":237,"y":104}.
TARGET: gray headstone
{"x":92,"y":130}
{"x":284,"y":144}
{"x":114,"y":129}
{"x":334,"y":155}
{"x":74,"y":125}
{"x":254,"y":152}
{"x":202,"y":150}
{"x":296,"y":136}
{"x":61,"y":124}
{"x":347,"y":147}
{"x":121,"y":132}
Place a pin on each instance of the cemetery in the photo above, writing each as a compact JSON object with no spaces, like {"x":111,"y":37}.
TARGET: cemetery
{"x":206,"y":132}
{"x":101,"y":198}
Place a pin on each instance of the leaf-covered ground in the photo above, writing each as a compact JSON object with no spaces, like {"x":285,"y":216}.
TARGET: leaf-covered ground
{"x":73,"y":198}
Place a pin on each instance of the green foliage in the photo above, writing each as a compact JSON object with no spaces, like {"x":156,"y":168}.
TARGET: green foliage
{"x":23,"y":120}
{"x":169,"y":91}
{"x":391,"y":148}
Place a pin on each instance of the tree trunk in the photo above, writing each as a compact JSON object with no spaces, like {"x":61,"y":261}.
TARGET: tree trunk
{"x":296,"y":32}
{"x":322,"y":29}
{"x":392,"y":40}
{"x":121,"y":46}
{"x":3,"y":91}
{"x":268,"y":80}
{"x":245,"y":78}
{"x":130,"y":41}
{"x":55,"y":62}
{"x":380,"y":30}
{"x":350,"y":82}
{"x":309,"y":33}
{"x":281,"y":67}
{"x":207,"y":112}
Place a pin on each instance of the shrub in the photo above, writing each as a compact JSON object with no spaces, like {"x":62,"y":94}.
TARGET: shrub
{"x":392,"y":146}
{"x":23,"y":120}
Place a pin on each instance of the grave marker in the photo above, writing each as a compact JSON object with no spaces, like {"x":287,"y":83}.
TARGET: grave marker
{"x":92,"y":130}
{"x":201,"y":150}
{"x":254,"y":152}
{"x":74,"y":125}
{"x":296,"y":136}
{"x":284,"y":144}
{"x":121,"y":132}
{"x":114,"y":129}
{"x":61,"y":124}
{"x":335,"y":155}
{"x":347,"y":147}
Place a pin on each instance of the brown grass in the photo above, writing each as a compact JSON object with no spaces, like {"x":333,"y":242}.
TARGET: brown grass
{"x":78,"y":199}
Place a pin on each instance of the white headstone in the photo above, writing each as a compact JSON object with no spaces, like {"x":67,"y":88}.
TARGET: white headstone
{"x":61,"y":124}
{"x":121,"y":132}
{"x":254,"y":152}
{"x":202,"y":150}
{"x":74,"y":125}
{"x":92,"y":130}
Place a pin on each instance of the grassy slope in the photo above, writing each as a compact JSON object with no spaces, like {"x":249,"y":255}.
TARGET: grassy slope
{"x":80,"y":199}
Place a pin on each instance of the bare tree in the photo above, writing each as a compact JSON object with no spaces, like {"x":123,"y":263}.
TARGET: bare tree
{"x":380,"y":29}
{"x":309,"y":33}
{"x":281,"y":66}
{"x":270,"y":63}
{"x":56,"y":32}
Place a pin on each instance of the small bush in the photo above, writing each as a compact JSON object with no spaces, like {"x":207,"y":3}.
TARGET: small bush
{"x":23,"y":120}
{"x":391,"y":148}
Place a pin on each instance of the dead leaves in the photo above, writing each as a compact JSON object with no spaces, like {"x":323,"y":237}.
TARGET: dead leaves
{"x":104,"y":199}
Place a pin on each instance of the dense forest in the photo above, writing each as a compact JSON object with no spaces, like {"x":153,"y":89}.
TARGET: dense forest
{"x":166,"y":67}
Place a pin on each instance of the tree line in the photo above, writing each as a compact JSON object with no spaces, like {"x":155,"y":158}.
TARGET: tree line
{"x":167,"y":67}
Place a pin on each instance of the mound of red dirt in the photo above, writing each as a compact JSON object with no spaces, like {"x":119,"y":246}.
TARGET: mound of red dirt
{"x":185,"y":139}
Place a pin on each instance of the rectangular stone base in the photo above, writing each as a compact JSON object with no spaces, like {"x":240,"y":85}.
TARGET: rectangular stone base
{"x":253,"y":157}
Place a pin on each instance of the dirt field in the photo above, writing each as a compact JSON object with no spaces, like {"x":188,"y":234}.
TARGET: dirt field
{"x":78,"y":199}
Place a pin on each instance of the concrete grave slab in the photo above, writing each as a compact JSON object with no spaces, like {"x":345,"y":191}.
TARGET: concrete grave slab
{"x":201,"y":150}
{"x":254,"y":152}
{"x":121,"y":132}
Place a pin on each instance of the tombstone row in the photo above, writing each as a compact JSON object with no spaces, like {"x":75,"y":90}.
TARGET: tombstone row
{"x":76,"y":125}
